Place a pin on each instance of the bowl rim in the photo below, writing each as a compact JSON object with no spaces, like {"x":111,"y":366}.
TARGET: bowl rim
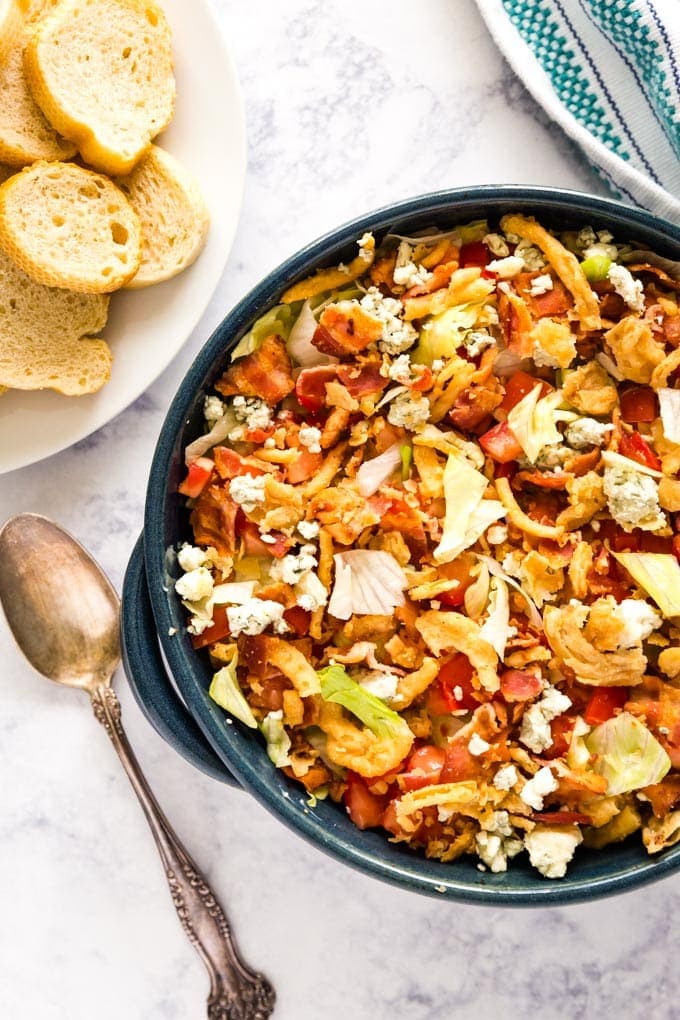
{"x":183,"y":662}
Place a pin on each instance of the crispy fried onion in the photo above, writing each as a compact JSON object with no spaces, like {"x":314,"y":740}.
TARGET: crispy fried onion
{"x":334,"y":278}
{"x":292,"y":663}
{"x":465,"y":286}
{"x":636,"y":353}
{"x":452,"y":796}
{"x":669,"y":364}
{"x":413,"y":684}
{"x":563,"y":262}
{"x":356,"y":747}
{"x":361,"y":651}
{"x":660,"y":833}
{"x":445,"y":631}
{"x":517,"y":516}
{"x":564,"y":630}
{"x":586,"y":497}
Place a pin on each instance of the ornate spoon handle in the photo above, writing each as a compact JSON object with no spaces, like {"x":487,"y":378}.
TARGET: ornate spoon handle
{"x":236,"y":993}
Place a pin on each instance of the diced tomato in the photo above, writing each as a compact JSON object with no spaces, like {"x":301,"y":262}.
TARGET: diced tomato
{"x":676,"y":546}
{"x":500,"y":444}
{"x":508,"y":470}
{"x":303,"y":467}
{"x":219,"y":629}
{"x":389,"y":819}
{"x":424,"y":767}
{"x":518,"y":385}
{"x":603,"y":703}
{"x":230,"y":464}
{"x":475,"y":253}
{"x":258,"y":436}
{"x":197,"y":478}
{"x":639,"y":404}
{"x":310,"y":386}
{"x":366,"y":809}
{"x":561,"y":729}
{"x":458,"y":572}
{"x":423,"y":380}
{"x":455,"y":683}
{"x":298,"y":618}
{"x":459,"y":764}
{"x":561,"y":818}
{"x":254,"y":546}
{"x":634,"y":446}
{"x":520,"y":685}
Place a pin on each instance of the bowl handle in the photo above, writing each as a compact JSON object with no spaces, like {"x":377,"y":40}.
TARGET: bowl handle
{"x":146,"y":672}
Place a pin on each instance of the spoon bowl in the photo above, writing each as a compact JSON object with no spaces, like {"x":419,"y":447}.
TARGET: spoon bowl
{"x":61,"y":609}
{"x":64,"y":614}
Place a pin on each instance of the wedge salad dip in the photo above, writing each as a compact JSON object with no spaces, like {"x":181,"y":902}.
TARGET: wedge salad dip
{"x":436,"y":540}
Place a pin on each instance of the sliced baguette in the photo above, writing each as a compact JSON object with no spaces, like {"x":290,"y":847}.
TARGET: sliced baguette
{"x":10,"y":27}
{"x":102,"y":72}
{"x":172,"y":212}
{"x":25,"y":134}
{"x":69,"y":227}
{"x":44,"y":336}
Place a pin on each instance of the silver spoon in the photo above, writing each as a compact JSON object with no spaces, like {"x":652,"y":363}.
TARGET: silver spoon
{"x":63,"y":613}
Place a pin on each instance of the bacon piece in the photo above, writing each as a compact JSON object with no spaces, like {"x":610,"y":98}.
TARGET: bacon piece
{"x":671,"y":330}
{"x":254,"y":546}
{"x":663,"y":796}
{"x":474,"y":405}
{"x":518,"y":685}
{"x":541,"y":479}
{"x":360,"y":381}
{"x":266,"y":373}
{"x":304,"y":467}
{"x":213,"y":520}
{"x":345,"y":328}
{"x":517,"y":323}
{"x":556,"y":301}
{"x":561,"y":818}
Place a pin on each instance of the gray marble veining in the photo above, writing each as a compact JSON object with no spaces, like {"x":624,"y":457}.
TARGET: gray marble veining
{"x":349,"y":107}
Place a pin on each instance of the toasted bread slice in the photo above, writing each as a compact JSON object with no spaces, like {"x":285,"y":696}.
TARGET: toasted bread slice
{"x":25,"y":134}
{"x":34,"y":9}
{"x":102,"y":72}
{"x":69,"y":227}
{"x":172,"y":213}
{"x":10,"y":27}
{"x":6,"y":172}
{"x":44,"y":336}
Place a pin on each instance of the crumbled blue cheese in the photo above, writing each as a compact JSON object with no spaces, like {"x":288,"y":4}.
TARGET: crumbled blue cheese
{"x":639,"y":620}
{"x":627,"y":287}
{"x":633,"y":499}
{"x":252,"y":412}
{"x":497,"y":245}
{"x":507,"y":268}
{"x":190,"y":557}
{"x":409,"y":411}
{"x":535,"y":789}
{"x":531,"y":256}
{"x":310,"y":592}
{"x":195,"y":585}
{"x":366,"y":245}
{"x":256,"y":615}
{"x":406,"y":272}
{"x":586,"y":432}
{"x":376,"y":681}
{"x":397,"y":335}
{"x":213,"y":409}
{"x":477,"y":745}
{"x":535,"y":732}
{"x":400,"y":369}
{"x":550,"y":850}
{"x":308,"y":529}
{"x":476,"y":341}
{"x":496,"y":842}
{"x":290,"y":568}
{"x":506,"y":777}
{"x":497,"y":534}
{"x":247,"y":490}
{"x":310,"y":436}
{"x":541,"y":285}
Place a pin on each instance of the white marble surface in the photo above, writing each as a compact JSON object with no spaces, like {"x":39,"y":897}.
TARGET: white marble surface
{"x":348,"y":107}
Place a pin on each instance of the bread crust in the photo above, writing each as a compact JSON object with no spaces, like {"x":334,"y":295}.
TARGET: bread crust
{"x":124,"y":46}
{"x":69,"y":227}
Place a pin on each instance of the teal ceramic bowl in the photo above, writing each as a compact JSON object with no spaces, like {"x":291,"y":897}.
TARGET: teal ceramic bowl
{"x":171,"y":679}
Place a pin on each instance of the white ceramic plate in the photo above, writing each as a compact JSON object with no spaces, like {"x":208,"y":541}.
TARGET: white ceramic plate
{"x":147,"y":328}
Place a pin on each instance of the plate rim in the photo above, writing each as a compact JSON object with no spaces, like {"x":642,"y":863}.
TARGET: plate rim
{"x":132,"y":392}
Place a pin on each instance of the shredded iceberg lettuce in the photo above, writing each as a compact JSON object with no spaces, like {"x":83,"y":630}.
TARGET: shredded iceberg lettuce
{"x":628,"y":756}
{"x":226,"y":692}
{"x":338,"y":687}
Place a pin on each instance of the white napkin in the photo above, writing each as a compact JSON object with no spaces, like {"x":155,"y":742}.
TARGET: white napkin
{"x":608,"y":72}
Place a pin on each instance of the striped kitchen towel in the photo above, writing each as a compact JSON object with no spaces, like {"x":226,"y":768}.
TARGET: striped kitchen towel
{"x":608,"y":72}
